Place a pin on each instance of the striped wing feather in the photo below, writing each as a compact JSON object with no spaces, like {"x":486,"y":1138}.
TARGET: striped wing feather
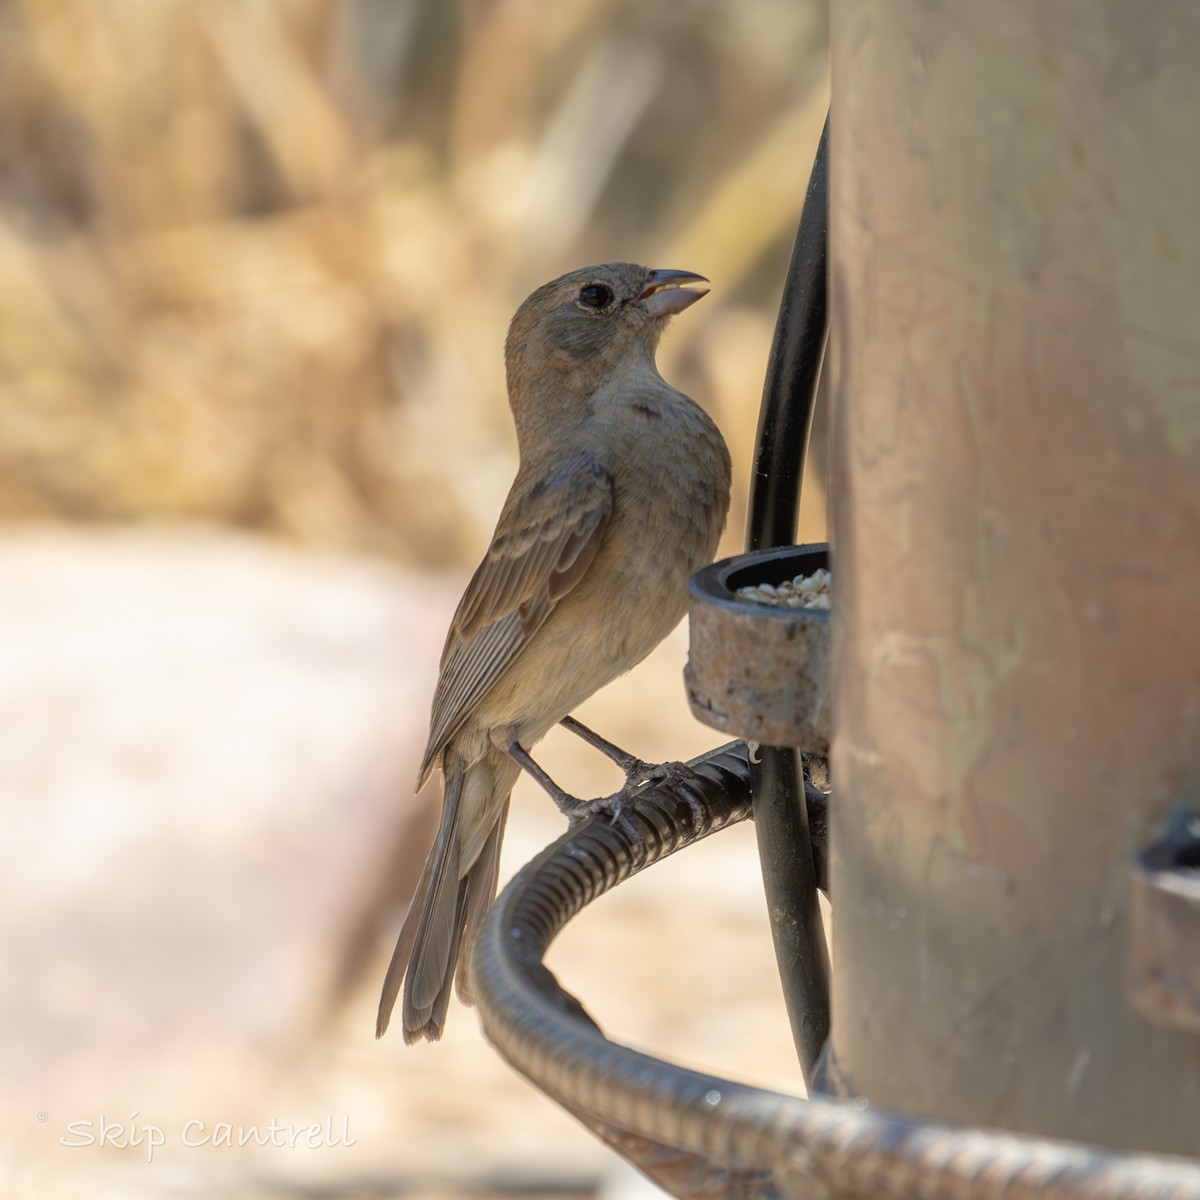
{"x":547,"y":536}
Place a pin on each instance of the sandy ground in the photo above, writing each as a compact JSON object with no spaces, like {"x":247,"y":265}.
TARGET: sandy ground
{"x":148,"y":997}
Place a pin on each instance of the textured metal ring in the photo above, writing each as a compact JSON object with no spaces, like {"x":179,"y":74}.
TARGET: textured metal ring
{"x":697,"y":1134}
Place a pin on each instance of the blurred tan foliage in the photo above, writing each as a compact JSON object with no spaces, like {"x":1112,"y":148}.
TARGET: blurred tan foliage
{"x":257,"y":257}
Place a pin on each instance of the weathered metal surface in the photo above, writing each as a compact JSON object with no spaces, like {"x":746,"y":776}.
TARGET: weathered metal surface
{"x":760,"y":671}
{"x":1015,"y":257}
{"x":698,"y":1135}
{"x":1164,"y":925}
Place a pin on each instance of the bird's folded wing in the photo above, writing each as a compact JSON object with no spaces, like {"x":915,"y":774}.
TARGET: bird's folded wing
{"x":546,"y":538}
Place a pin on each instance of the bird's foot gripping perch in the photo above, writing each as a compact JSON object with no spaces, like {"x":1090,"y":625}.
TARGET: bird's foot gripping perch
{"x":637,"y":772}
{"x":640,"y":778}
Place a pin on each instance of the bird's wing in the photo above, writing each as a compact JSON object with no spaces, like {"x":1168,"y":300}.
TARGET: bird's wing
{"x":547,"y":536}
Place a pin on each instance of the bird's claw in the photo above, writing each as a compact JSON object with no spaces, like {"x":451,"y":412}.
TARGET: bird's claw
{"x":699,"y":812}
{"x":614,"y":807}
{"x":618,"y":806}
{"x":668,"y":772}
{"x":680,"y":779}
{"x":639,"y":775}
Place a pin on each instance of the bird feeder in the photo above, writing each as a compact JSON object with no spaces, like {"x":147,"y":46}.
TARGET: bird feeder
{"x":1008,"y":683}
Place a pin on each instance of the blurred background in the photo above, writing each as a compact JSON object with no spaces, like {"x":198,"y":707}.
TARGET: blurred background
{"x":257,"y":260}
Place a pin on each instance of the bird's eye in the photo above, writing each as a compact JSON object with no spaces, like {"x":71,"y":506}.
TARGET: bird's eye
{"x":595,"y":296}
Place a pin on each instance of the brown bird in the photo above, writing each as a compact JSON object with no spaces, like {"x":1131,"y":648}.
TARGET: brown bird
{"x":621,"y":494}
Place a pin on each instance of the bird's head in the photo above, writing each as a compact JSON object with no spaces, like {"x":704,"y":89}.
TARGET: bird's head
{"x":579,"y":328}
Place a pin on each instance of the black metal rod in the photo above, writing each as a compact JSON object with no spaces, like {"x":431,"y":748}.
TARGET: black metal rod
{"x":780,"y":815}
{"x":790,"y":885}
{"x":793,"y":372}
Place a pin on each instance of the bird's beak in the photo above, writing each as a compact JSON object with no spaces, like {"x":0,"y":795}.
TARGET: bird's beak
{"x":666,"y":292}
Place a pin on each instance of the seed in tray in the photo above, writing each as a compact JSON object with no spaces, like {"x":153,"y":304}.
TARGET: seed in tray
{"x":804,"y":591}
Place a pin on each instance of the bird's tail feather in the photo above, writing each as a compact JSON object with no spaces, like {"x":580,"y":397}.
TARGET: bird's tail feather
{"x":445,"y":912}
{"x":480,"y":892}
{"x":426,"y":936}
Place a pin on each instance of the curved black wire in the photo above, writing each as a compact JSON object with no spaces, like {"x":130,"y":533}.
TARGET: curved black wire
{"x":793,"y":372}
{"x":784,"y":426}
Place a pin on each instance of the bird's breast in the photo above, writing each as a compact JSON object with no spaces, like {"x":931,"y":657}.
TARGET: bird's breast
{"x":670,"y":476}
{"x":670,"y":499}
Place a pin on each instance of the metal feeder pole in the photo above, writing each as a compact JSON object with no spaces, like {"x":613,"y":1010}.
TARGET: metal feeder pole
{"x":1015,"y":250}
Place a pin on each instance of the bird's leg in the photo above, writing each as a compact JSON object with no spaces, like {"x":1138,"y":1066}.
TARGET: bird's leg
{"x":631,"y":765}
{"x":570,"y":806}
{"x":565,"y":803}
{"x":638,"y":774}
{"x":637,"y":771}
